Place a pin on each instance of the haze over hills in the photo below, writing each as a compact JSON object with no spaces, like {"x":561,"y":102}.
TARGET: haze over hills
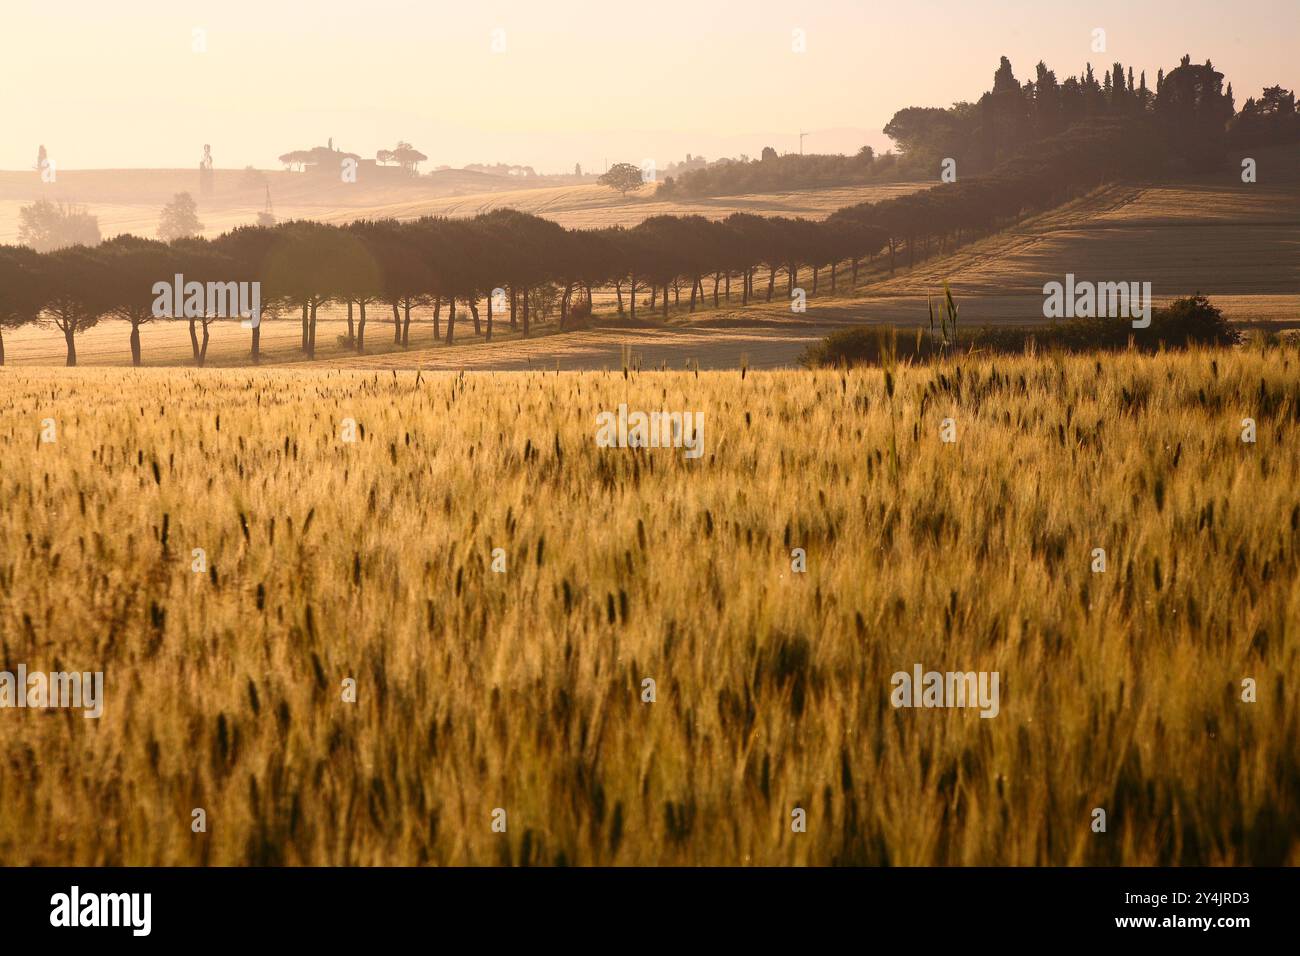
{"x":131,"y":200}
{"x":1060,"y":174}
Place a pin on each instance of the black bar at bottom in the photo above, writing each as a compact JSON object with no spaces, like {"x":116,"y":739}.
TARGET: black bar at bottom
{"x":656,"y":906}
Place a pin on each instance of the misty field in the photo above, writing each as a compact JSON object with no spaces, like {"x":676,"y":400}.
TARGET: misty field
{"x":476,"y":690}
{"x":129,"y":200}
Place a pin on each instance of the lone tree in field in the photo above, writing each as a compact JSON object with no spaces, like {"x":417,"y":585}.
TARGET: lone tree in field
{"x":46,"y":226}
{"x":405,"y":155}
{"x":622,"y":176}
{"x":180,"y":219}
{"x":298,"y":157}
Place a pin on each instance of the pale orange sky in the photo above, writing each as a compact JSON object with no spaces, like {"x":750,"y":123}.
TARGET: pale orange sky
{"x":118,"y":84}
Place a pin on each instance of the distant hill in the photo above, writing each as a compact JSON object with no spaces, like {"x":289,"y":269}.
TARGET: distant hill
{"x":130,"y":200}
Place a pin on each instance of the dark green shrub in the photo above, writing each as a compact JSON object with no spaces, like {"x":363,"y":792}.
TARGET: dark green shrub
{"x":1185,"y":322}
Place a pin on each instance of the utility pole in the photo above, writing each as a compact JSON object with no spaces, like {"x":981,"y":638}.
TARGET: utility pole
{"x":801,"y":136}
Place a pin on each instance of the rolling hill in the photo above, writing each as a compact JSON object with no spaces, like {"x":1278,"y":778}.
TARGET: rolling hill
{"x":1237,"y":243}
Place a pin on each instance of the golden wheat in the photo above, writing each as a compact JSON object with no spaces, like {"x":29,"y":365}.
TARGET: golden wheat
{"x":522,"y":690}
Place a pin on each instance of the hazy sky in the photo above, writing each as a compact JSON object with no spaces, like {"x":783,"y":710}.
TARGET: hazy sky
{"x":117,"y":83}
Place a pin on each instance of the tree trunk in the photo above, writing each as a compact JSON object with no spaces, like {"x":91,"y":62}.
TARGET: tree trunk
{"x":564,"y":304}
{"x":257,"y":342}
{"x":631,"y":296}
{"x":771,"y":282}
{"x":361,"y":330}
{"x":514,"y":303}
{"x":203,"y":351}
{"x":695,"y":282}
{"x":665,"y":300}
{"x":744,"y":287}
{"x":527,"y":309}
{"x":451,"y":320}
{"x":194,"y":342}
{"x":2,"y":345}
{"x":489,"y":319}
{"x":437,"y":318}
{"x":135,"y":346}
{"x":406,"y":324}
{"x":70,"y":337}
{"x":717,"y":276}
{"x":352,"y":332}
{"x":304,"y":328}
{"x":618,"y":290}
{"x":311,"y":342}
{"x":397,"y":325}
{"x":473,"y":309}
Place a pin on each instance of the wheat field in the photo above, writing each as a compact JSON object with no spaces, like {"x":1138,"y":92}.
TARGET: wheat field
{"x":478,"y":690}
{"x":1228,"y":240}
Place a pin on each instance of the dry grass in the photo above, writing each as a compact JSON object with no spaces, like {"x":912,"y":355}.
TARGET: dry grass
{"x":1226,"y":241}
{"x":592,"y":207}
{"x":521,"y":690}
{"x":770,"y":335}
